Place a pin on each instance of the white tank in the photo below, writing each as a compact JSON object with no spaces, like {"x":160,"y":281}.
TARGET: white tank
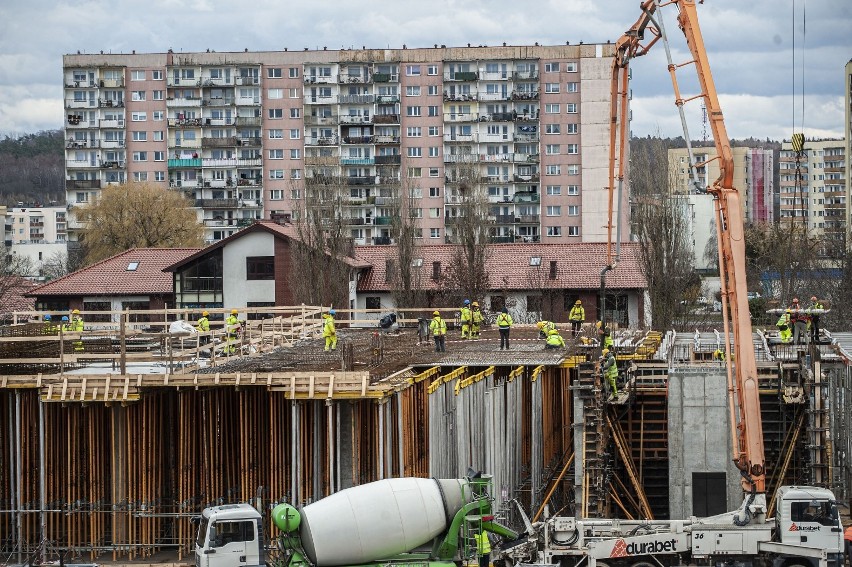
{"x":380,"y":519}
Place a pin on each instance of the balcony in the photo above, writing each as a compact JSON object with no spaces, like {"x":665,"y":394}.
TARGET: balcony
{"x":185,"y":183}
{"x":526,"y":137}
{"x":451,"y":137}
{"x":385,"y":78}
{"x":531,"y":75}
{"x":185,"y":144}
{"x":360,"y":180}
{"x":328,"y":141}
{"x":184,"y":122}
{"x":247,"y":80}
{"x":459,"y":97}
{"x":461,"y":117}
{"x":353,"y":221}
{"x":319,"y":80}
{"x":247,"y":121}
{"x":386,"y":140}
{"x":495,"y":157}
{"x":193,"y":162}
{"x":71,"y":103}
{"x":524,"y":197}
{"x":525,"y":95}
{"x":357,"y":139}
{"x":464,"y":76}
{"x":346,"y":78}
{"x":347,"y":119}
{"x":386,"y":119}
{"x":217,"y":102}
{"x":321,"y":120}
{"x":322,"y":160}
{"x":501,"y":117}
{"x":72,"y":184}
{"x":217,"y":81}
{"x":357,"y":161}
{"x":82,"y":144}
{"x":496,"y":96}
{"x":382,"y":221}
{"x":356,"y":99}
{"x":525,"y":178}
{"x":248,"y":101}
{"x":388,"y":160}
{"x":382,"y":240}
{"x":218,"y":183}
{"x":77,"y":120}
{"x":233,"y":162}
{"x":183,"y":102}
{"x":226,"y":142}
{"x":112,"y":144}
{"x":112,"y":83}
{"x":218,"y":122}
{"x":387,"y":99}
{"x":319,"y":99}
{"x":172,"y":81}
{"x":250,"y":142}
{"x":527,"y":219}
{"x":460,"y":158}
{"x":217,"y":203}
{"x":106,"y":103}
{"x":526,"y":158}
{"x":111,"y":123}
{"x":504,"y":219}
{"x":384,"y":201}
{"x":111,"y":164}
{"x":79,"y":164}
{"x":249,"y":182}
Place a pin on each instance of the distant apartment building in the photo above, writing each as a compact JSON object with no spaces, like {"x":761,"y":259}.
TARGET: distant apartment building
{"x":37,"y":233}
{"x":847,"y":89}
{"x":753,"y":177}
{"x":814,"y":188}
{"x":248,"y":135}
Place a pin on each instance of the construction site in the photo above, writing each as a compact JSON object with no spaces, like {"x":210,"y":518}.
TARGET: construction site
{"x":111,"y":449}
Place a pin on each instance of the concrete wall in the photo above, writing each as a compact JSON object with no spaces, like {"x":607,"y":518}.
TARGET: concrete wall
{"x":699,"y":438}
{"x":236,"y":289}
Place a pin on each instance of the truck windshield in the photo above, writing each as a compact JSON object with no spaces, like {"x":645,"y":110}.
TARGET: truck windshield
{"x":202,"y":532}
{"x":822,"y":512}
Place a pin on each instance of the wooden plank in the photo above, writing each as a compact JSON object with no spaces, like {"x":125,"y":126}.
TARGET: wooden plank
{"x":330,"y":386}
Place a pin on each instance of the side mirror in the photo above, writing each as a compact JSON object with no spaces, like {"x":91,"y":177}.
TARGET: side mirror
{"x":212,"y":538}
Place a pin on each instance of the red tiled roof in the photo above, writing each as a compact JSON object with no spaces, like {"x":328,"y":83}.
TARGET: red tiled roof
{"x":578,"y":266}
{"x":111,"y":276}
{"x":13,"y":296}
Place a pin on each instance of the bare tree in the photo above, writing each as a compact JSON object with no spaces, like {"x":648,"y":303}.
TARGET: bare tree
{"x":138,"y":215}
{"x":13,"y":269}
{"x":55,"y":266}
{"x":406,"y":277}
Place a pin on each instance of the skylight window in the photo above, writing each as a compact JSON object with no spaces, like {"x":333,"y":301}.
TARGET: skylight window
{"x":131,"y":267}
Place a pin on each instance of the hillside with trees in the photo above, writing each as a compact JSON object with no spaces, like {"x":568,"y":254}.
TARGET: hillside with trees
{"x":33,"y":167}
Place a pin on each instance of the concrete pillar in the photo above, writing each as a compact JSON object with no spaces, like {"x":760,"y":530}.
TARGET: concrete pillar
{"x":118,"y":466}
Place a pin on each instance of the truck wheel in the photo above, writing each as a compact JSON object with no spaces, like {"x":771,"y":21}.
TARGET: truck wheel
{"x":643,"y":564}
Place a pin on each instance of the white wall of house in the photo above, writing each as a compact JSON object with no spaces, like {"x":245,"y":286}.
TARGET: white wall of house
{"x":38,"y":253}
{"x":236,"y":289}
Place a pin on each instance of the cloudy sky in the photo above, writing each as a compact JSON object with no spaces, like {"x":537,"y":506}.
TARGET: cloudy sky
{"x":750,"y":45}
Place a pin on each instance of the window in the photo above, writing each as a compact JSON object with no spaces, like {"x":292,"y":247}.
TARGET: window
{"x":554,"y":190}
{"x":276,"y":154}
{"x":433,"y":90}
{"x":157,"y":115}
{"x":554,"y":231}
{"x":551,"y":88}
{"x":412,"y":90}
{"x":158,"y":95}
{"x":294,"y":72}
{"x":295,"y":113}
{"x":433,"y":131}
{"x":373,"y":302}
{"x":434,"y":191}
{"x":137,"y":96}
{"x":571,"y":67}
{"x":551,"y":108}
{"x":276,"y":134}
{"x":822,"y":512}
{"x":276,"y":174}
{"x":415,"y":152}
{"x":573,"y":169}
{"x":159,"y":156}
{"x":573,"y":190}
{"x":571,"y":108}
{"x":552,"y":170}
{"x":574,"y":231}
{"x":572,"y":149}
{"x":432,"y":70}
{"x":293,"y":93}
{"x":159,"y":136}
{"x":274,"y":73}
{"x":433,"y":111}
{"x":294,"y":134}
{"x":140,"y":136}
{"x":415,"y":172}
{"x":137,"y":75}
{"x":140,"y":176}
{"x":276,"y":113}
{"x":276,"y":194}
{"x":295,"y":154}
{"x":274,"y":93}
{"x":260,"y":267}
{"x":551,"y":67}
{"x":436,"y":233}
{"x":157,"y":75}
{"x":412,"y":111}
{"x":140,"y":156}
{"x":435,"y":212}
{"x":572,"y":87}
{"x":573,"y":210}
{"x":296,"y":174}
{"x":554,"y":211}
{"x":571,"y":128}
{"x":159,"y":176}
{"x":413,"y":132}
{"x":412,"y":70}
{"x":551,"y":149}
{"x":138,"y":116}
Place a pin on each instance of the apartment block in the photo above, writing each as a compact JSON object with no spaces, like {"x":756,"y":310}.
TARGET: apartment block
{"x":813,"y":187}
{"x":847,"y":89}
{"x":753,"y":177}
{"x":36,"y":233}
{"x":253,"y":135}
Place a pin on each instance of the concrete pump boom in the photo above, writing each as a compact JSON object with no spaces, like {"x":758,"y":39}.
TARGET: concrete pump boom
{"x":742,"y":366}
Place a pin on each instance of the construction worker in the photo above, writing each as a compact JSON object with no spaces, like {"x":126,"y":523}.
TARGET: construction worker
{"x":609,"y":368}
{"x":800,"y":322}
{"x":813,"y":320}
{"x":203,"y":326}
{"x":554,"y":339}
{"x":504,"y":324}
{"x":438,"y":328}
{"x":77,"y":326}
{"x":604,"y":335}
{"x":232,"y":328}
{"x":483,"y":548}
{"x":544,"y":327}
{"x":466,"y":318}
{"x":65,"y":324}
{"x":476,"y":321}
{"x":48,"y":328}
{"x":783,"y":324}
{"x":719,"y":354}
{"x":328,"y":331}
{"x":577,"y":316}
{"x":847,"y":536}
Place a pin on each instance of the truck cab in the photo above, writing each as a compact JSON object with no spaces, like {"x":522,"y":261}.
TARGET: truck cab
{"x":230,"y":536}
{"x":807,"y":516}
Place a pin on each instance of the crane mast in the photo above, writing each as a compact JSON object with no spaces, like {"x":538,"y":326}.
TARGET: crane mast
{"x":744,"y":399}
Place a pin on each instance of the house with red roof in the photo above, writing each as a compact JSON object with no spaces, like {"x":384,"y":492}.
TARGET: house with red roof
{"x":133,"y":279}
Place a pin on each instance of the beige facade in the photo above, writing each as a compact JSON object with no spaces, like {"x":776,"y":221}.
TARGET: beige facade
{"x":247,"y":135}
{"x":753,"y":177}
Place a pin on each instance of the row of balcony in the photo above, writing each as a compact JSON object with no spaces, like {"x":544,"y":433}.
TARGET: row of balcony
{"x":196,"y":162}
{"x":228,"y":203}
{"x":487,"y":97}
{"x":202,"y":183}
{"x":492,"y":158}
{"x":97,"y":83}
{"x":86,"y":144}
{"x":172,"y":81}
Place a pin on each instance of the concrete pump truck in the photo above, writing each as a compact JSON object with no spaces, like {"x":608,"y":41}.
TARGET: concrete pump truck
{"x":413,"y":521}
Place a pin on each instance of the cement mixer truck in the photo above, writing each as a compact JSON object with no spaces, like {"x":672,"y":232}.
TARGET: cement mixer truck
{"x":393,"y":522}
